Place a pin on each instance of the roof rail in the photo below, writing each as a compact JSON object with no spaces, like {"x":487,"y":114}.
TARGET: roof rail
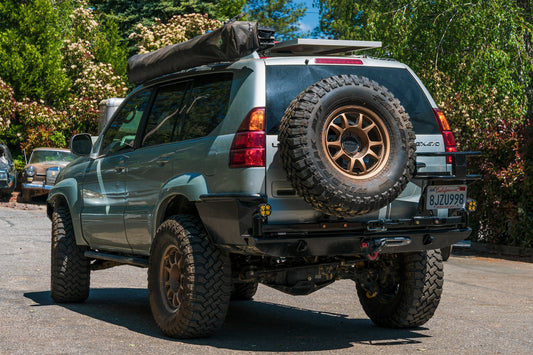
{"x":306,"y":46}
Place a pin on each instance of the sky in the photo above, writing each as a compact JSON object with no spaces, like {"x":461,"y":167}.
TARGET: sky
{"x":310,"y":20}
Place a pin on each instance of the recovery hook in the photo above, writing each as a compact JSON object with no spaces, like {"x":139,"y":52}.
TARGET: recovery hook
{"x":372,"y":247}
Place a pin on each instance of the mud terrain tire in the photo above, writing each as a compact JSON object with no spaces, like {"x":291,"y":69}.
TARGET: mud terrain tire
{"x":243,"y":291}
{"x":189,"y":280}
{"x":347,"y":145}
{"x":70,"y":269}
{"x":410,"y":298}
{"x":446,"y":252}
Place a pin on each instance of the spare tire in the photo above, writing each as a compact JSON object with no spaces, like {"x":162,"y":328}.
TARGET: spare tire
{"x":347,"y":145}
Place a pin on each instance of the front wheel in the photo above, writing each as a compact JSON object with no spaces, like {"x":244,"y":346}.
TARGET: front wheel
{"x":70,"y":269}
{"x":402,"y":291}
{"x":189,"y":280}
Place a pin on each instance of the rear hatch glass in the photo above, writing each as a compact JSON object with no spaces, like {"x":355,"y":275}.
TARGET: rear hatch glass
{"x":284,"y":83}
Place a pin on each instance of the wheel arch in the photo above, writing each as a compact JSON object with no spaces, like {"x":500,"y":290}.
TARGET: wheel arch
{"x":179,"y":197}
{"x":65,"y":193}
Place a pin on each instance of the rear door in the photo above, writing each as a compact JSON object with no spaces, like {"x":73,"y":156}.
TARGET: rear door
{"x":281,"y":91}
{"x":152,"y":164}
{"x":176,"y":141}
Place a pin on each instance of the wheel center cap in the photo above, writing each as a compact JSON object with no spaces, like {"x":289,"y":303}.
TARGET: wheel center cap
{"x":351,"y":144}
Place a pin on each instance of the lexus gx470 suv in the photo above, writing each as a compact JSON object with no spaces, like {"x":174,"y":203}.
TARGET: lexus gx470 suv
{"x":293,"y":167}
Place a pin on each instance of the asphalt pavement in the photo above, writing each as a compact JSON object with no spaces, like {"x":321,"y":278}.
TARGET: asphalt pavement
{"x":486,"y":308}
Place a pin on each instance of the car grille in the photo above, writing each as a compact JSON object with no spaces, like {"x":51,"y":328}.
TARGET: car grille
{"x":51,"y":175}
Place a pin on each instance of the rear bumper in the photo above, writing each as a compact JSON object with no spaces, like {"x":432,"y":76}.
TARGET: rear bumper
{"x":233,"y":221}
{"x":356,"y":243}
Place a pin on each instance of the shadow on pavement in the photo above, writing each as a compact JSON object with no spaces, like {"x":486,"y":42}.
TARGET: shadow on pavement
{"x":249,"y":326}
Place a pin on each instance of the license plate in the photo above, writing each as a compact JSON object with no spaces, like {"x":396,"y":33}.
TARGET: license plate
{"x":446,"y":196}
{"x":3,"y":176}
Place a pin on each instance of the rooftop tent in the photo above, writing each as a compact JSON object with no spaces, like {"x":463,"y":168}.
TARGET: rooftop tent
{"x":225,"y":44}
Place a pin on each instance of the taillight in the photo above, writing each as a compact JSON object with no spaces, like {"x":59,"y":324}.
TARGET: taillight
{"x":248,"y":146}
{"x":447,"y":135}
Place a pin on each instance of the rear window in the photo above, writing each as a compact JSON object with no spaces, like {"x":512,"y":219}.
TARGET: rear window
{"x":284,"y":83}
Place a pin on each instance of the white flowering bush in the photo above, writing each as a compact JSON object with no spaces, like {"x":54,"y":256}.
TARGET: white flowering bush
{"x":83,"y":21}
{"x":7,"y":107}
{"x":91,"y":79}
{"x":180,"y":28}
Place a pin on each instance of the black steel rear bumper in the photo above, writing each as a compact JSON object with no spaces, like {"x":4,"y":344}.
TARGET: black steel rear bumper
{"x":233,"y":221}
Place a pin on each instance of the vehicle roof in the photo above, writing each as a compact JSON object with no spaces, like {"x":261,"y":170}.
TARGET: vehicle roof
{"x":310,"y":60}
{"x":274,"y":60}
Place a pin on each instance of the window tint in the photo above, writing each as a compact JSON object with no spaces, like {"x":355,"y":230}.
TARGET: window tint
{"x":122,"y":131}
{"x":206,"y":106}
{"x":166,"y":110}
{"x":280,"y":91}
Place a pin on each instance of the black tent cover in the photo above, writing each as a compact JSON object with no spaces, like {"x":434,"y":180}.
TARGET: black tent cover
{"x":225,"y":44}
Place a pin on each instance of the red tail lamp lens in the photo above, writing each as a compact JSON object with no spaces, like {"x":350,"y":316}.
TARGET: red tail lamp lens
{"x":248,"y":146}
{"x":245,"y":140}
{"x":447,"y":135}
{"x":247,"y":158}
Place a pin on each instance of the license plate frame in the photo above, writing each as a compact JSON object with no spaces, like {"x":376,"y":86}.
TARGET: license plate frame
{"x":446,"y":197}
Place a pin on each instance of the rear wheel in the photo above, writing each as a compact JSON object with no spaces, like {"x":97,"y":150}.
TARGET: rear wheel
{"x":189,"y":280}
{"x":243,"y":291}
{"x":403,"y":290}
{"x":70,"y":269}
{"x":446,"y":253}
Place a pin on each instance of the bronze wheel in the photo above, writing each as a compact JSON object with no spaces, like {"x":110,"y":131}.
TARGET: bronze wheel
{"x":356,"y":141}
{"x":171,"y":278}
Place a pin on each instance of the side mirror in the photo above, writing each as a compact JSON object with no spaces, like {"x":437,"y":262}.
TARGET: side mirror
{"x":81,"y":144}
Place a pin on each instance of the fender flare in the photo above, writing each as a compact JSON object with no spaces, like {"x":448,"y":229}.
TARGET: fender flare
{"x":67,"y":191}
{"x":189,"y":186}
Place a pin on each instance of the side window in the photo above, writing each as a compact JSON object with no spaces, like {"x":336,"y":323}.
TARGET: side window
{"x":167,"y":108}
{"x":123,"y":130}
{"x":206,"y":107}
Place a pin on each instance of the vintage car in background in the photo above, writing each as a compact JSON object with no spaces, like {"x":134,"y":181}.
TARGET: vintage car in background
{"x":40,"y":173}
{"x":8,"y":172}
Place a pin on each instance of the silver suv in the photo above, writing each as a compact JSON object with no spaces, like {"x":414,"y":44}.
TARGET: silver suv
{"x":292,"y":169}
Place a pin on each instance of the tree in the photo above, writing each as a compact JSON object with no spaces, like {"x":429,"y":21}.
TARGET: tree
{"x":228,"y":9}
{"x":475,"y":58}
{"x":30,"y":56}
{"x":127,"y":14}
{"x":36,"y":111}
{"x":283,"y":15}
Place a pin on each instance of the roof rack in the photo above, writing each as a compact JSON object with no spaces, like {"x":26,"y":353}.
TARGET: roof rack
{"x":306,"y":46}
